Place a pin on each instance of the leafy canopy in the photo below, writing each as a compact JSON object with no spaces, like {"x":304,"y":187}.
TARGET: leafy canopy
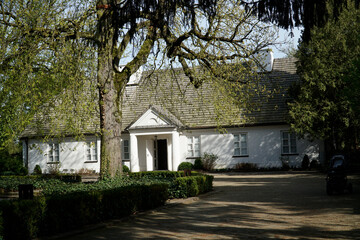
{"x":327,"y":99}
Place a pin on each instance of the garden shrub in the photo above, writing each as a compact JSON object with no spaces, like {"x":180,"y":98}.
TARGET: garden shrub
{"x":190,"y":186}
{"x":305,"y":162}
{"x":22,"y":219}
{"x":157,"y":175}
{"x":198,"y":165}
{"x":185,"y":165}
{"x":245,"y":167}
{"x":37,"y":170}
{"x":126,"y":169}
{"x":314,"y":164}
{"x":50,"y":214}
{"x":209,"y":160}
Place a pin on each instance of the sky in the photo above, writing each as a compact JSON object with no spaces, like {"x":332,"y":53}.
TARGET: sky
{"x":284,"y":35}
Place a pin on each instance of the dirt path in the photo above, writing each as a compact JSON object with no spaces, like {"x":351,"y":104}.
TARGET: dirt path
{"x":249,"y":206}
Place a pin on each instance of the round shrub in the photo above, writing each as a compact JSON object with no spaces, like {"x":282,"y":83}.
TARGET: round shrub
{"x":314,"y":164}
{"x":23,"y":171}
{"x":185,"y":165}
{"x":305,"y":162}
{"x":37,"y":170}
{"x":198,"y":165}
{"x":126,"y":169}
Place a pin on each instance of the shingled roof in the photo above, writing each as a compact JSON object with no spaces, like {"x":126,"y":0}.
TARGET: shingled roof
{"x":174,"y":97}
{"x":196,"y":108}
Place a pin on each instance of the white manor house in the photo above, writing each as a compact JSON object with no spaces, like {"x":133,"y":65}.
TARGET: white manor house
{"x":159,"y":135}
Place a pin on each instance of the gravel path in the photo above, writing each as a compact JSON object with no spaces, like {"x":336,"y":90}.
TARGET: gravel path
{"x":248,"y":206}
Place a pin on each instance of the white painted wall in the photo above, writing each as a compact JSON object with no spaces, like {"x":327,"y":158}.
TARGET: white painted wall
{"x":72,"y":155}
{"x":264,"y":149}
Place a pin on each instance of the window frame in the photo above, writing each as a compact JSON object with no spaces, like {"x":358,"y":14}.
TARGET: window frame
{"x":241,"y":153}
{"x":193,"y":148}
{"x":123,"y":150}
{"x":289,"y":143}
{"x":91,"y":145}
{"x":53,"y":149}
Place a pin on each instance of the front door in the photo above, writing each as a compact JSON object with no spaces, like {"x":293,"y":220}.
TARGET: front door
{"x":162,"y":154}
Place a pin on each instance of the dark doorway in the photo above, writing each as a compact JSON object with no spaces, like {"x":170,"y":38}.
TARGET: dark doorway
{"x":162,"y":154}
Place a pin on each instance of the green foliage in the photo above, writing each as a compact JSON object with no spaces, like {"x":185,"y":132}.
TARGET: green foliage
{"x":245,"y":167}
{"x":190,"y":186}
{"x":37,"y":170}
{"x":198,"y":165}
{"x":126,"y":169}
{"x":11,"y":162}
{"x":22,"y":219}
{"x":65,"y":206}
{"x":185,"y":165}
{"x":170,"y":175}
{"x":208,"y":160}
{"x":323,"y":105}
{"x":27,"y":219}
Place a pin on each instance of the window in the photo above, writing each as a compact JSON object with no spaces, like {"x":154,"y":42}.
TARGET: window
{"x":126,"y":150}
{"x":288,"y":143}
{"x":193,"y":147}
{"x":91,"y":151}
{"x":240,"y":144}
{"x":54,"y":152}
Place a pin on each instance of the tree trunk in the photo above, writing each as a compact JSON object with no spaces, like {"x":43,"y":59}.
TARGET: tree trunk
{"x":110,"y":114}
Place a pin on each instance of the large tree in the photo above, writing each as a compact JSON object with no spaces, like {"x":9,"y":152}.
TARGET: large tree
{"x":299,"y":13}
{"x":57,"y":40}
{"x":326,"y":101}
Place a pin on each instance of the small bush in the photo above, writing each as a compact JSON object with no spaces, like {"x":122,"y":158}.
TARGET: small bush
{"x":37,"y":170}
{"x":54,"y":168}
{"x":198,"y":165}
{"x":305,"y":162}
{"x":126,"y":169}
{"x":208,"y":161}
{"x":285,"y":163}
{"x":184,"y":187}
{"x":185,"y":165}
{"x":245,"y":167}
{"x":85,"y":171}
{"x":314,"y":164}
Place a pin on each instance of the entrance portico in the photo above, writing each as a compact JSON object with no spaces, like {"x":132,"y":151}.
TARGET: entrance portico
{"x":154,"y":141}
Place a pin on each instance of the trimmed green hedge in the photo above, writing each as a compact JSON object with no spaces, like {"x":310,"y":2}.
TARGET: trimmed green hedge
{"x":190,"y":186}
{"x":26,"y":219}
{"x":157,"y":175}
{"x":179,"y":186}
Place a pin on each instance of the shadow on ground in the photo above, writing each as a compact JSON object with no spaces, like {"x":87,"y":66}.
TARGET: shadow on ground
{"x":249,"y":206}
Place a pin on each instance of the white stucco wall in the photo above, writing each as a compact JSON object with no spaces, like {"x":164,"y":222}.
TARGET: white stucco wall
{"x":72,"y":155}
{"x":264,"y":149}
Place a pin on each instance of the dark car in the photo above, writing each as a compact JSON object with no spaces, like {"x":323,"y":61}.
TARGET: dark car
{"x":336,"y":180}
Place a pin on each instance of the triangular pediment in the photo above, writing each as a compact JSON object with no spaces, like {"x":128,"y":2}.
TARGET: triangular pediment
{"x":153,"y":118}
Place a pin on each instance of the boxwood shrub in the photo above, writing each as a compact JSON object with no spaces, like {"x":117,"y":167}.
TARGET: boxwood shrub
{"x":46,"y":215}
{"x":190,"y":186}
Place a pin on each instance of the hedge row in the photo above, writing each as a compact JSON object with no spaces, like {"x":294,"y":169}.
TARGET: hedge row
{"x":26,"y":219}
{"x":169,"y":175}
{"x":190,"y":186}
{"x":180,"y":186}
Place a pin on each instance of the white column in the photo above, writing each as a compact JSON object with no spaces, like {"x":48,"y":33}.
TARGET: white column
{"x":175,"y":150}
{"x":134,"y":161}
{"x":149,"y":156}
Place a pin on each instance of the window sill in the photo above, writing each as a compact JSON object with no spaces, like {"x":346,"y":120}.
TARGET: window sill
{"x":241,"y":156}
{"x":126,"y":160}
{"x":52,"y":162}
{"x":91,"y":161}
